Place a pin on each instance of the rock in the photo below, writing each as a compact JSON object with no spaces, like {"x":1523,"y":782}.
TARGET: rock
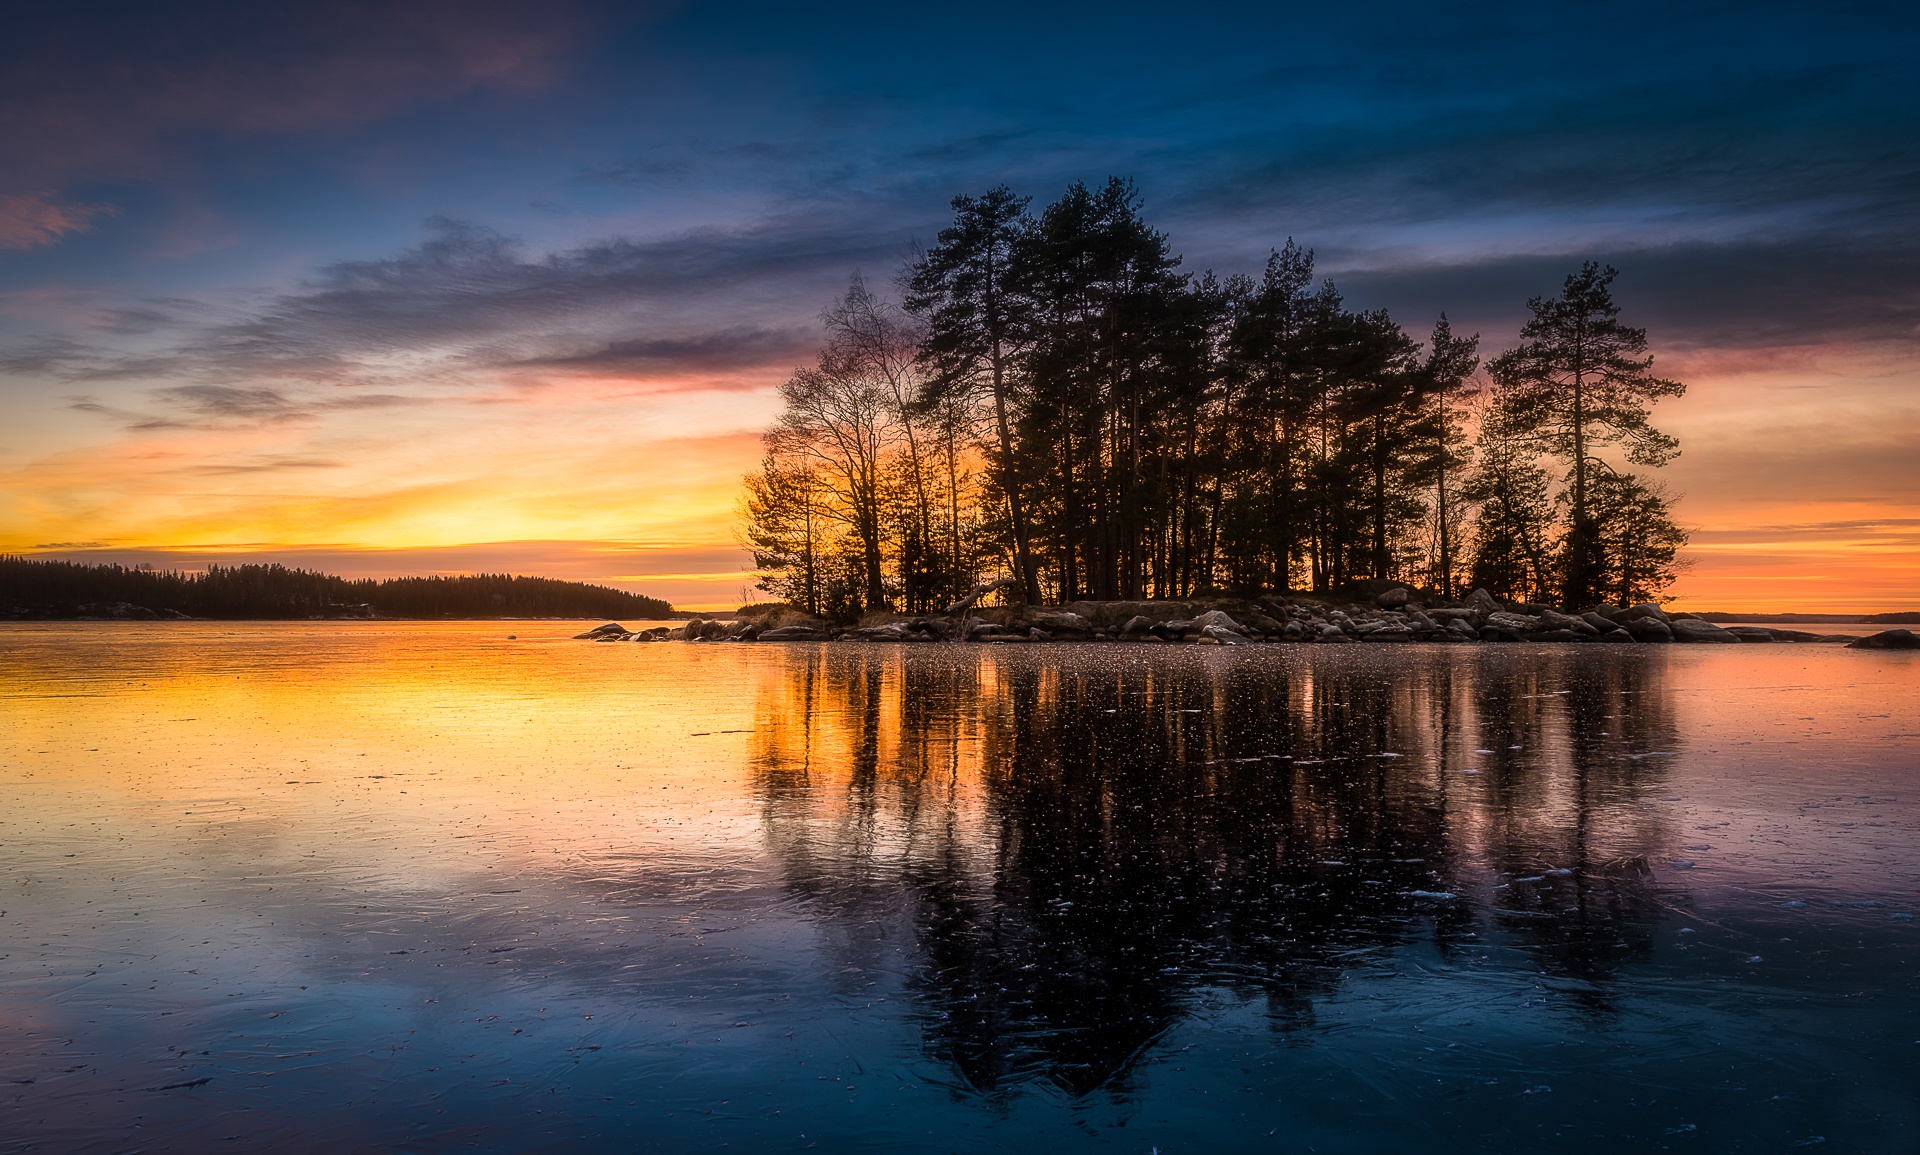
{"x":1795,"y":636}
{"x":1483,"y":603}
{"x":1393,"y":599}
{"x":1555,"y":620}
{"x":1215,"y":618}
{"x":1261,"y":623}
{"x":1040,"y":635}
{"x":1615,"y":636}
{"x":793,"y":634}
{"x":1641,"y":611}
{"x":1331,"y":632}
{"x":1059,"y":622}
{"x":1136,"y":625}
{"x":1599,"y":621}
{"x":1887,"y":640}
{"x":1695,"y":630}
{"x":1462,"y":628}
{"x":1293,"y":631}
{"x":1751,"y":633}
{"x":1390,"y":632}
{"x":611,"y":629}
{"x":1560,"y":635}
{"x":1648,"y":630}
{"x":1516,"y":622}
{"x":1223,"y":636}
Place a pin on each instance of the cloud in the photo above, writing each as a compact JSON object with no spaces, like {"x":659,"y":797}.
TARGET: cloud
{"x":30,"y":220}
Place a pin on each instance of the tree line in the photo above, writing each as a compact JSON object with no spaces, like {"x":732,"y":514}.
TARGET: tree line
{"x":1053,"y":400}
{"x":43,"y":588}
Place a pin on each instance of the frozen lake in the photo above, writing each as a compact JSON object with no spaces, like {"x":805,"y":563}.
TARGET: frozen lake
{"x":417,"y":886}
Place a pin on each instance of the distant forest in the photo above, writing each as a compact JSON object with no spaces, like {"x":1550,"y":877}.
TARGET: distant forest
{"x":61,"y":589}
{"x":1053,"y":400}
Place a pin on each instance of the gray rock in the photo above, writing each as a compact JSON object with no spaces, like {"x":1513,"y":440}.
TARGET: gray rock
{"x":1137,"y":624}
{"x":1506,"y":621}
{"x":1222,"y":635}
{"x":1389,"y":633}
{"x":1599,"y":621}
{"x":1695,"y":630}
{"x":1560,"y":635}
{"x":1462,"y":627}
{"x":1887,"y":640}
{"x":1393,"y":599}
{"x":1751,"y":633}
{"x":1555,"y":620}
{"x":1216,"y":618}
{"x":1648,"y":630}
{"x":1482,"y":602}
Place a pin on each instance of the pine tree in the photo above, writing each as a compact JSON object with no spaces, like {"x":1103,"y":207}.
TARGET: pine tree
{"x":1580,"y":380}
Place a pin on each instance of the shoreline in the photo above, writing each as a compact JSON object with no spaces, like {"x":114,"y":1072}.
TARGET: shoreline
{"x":1394,"y":616}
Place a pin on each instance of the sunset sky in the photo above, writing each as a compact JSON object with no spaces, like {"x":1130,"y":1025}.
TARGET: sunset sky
{"x":440,"y":287}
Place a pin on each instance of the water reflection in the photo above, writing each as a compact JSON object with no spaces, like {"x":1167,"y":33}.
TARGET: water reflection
{"x":372,"y":886}
{"x":1087,"y":842}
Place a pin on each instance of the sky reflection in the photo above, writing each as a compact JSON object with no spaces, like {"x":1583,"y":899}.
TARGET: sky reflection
{"x":419,"y":885}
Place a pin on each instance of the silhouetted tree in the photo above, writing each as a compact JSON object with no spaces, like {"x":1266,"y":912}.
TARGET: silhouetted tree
{"x":1580,"y":380}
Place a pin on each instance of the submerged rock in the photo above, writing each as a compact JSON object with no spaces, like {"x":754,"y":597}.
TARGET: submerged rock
{"x":610,"y":630}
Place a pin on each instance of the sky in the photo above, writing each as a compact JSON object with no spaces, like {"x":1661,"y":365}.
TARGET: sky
{"x":439,"y":287}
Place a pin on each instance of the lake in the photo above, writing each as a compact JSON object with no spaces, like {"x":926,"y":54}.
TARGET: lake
{"x":420,"y":886}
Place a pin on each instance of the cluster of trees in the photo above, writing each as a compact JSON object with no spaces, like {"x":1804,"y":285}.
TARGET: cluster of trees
{"x":33,"y":587}
{"x":1055,"y":401}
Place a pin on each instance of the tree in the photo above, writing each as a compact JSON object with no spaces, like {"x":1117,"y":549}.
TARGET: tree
{"x":1449,"y":368}
{"x":784,"y":529}
{"x":837,"y":424}
{"x":961,"y":289}
{"x":1638,"y":539}
{"x":1513,"y":551}
{"x":1578,"y":381}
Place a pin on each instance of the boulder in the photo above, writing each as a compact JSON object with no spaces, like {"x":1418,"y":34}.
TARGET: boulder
{"x":1751,"y":633}
{"x":1795,"y":636}
{"x":1136,"y":625}
{"x":1887,"y":640}
{"x":1215,"y":619}
{"x":1517,"y":622}
{"x":611,"y":629}
{"x":1641,"y":611}
{"x":1393,"y":599}
{"x":1556,"y":635}
{"x":793,"y":634}
{"x":1461,"y":628}
{"x":1059,"y":622}
{"x":1648,"y":630}
{"x":1222,"y":635}
{"x":1599,"y":621}
{"x":1261,"y":623}
{"x":1483,"y":603}
{"x":1390,"y":632}
{"x":1695,"y":630}
{"x":1555,"y":620}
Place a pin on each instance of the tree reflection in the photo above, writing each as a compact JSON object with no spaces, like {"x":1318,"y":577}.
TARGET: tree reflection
{"x":1082,"y":842}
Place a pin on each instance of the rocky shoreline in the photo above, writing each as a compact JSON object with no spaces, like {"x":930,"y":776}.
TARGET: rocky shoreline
{"x":1397,"y":614}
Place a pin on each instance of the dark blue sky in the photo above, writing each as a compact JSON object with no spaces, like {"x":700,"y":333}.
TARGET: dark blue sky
{"x":221,"y":217}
